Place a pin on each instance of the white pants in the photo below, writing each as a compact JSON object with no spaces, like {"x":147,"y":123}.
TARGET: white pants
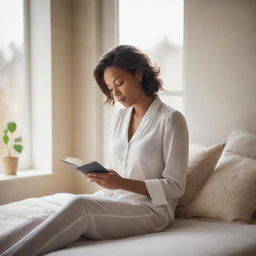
{"x":91,"y":217}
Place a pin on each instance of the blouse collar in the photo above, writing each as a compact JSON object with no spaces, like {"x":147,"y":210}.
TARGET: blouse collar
{"x":149,"y":115}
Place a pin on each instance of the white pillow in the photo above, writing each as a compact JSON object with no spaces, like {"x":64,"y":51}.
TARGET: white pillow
{"x":202,"y":161}
{"x":230,"y":192}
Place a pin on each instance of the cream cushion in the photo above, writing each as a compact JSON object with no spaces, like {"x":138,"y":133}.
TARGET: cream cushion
{"x":202,"y":161}
{"x":229,"y":193}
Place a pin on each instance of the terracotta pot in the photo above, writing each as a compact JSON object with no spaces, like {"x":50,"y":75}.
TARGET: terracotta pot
{"x":10,"y":164}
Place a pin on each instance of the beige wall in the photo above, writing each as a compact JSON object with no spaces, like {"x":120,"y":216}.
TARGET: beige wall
{"x":86,"y":36}
{"x":62,"y":98}
{"x":220,"y":68}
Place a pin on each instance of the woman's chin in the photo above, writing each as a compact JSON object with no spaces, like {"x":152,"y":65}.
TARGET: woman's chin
{"x":127,"y":104}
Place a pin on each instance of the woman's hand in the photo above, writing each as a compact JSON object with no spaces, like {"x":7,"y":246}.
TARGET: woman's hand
{"x":113,"y":180}
{"x":110,"y":180}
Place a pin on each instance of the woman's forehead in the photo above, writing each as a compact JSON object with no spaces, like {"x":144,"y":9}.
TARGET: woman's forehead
{"x":113,"y":73}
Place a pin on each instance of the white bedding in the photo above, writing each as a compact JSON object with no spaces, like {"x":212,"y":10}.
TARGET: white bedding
{"x":19,"y":218}
{"x":186,"y":237}
{"x":190,"y":237}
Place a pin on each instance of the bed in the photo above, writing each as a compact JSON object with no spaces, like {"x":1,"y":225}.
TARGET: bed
{"x":186,"y":236}
{"x":220,"y":187}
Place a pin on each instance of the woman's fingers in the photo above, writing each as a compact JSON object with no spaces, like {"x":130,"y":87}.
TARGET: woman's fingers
{"x":95,"y":179}
{"x":107,"y":180}
{"x":99,"y":182}
{"x":96,"y":175}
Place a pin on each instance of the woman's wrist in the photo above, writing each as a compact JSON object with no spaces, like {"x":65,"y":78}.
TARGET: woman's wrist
{"x":136,"y":186}
{"x":123,"y":183}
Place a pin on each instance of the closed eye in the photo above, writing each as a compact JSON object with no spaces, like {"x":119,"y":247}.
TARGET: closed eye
{"x":118,"y":85}
{"x":121,"y":83}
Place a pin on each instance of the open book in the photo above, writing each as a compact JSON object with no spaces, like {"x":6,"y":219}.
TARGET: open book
{"x":84,"y":167}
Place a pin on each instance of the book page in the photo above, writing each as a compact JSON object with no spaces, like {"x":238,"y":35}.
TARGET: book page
{"x":76,"y":161}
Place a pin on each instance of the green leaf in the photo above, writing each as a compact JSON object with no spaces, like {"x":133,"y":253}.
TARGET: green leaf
{"x":18,"y":148}
{"x":11,"y":127}
{"x":18,"y":139}
{"x":5,"y":139}
{"x":5,"y":131}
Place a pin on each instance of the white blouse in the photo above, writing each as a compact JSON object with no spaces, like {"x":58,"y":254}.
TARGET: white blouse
{"x":157,"y":153}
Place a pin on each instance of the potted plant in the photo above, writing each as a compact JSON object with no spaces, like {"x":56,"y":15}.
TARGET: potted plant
{"x":10,"y":162}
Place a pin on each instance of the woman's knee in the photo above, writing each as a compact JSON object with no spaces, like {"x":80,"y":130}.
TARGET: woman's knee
{"x":74,"y":204}
{"x":80,"y":202}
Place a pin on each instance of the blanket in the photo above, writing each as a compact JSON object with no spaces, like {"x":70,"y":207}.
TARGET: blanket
{"x":18,"y":218}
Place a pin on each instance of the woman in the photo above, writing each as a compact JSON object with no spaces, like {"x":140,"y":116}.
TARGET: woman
{"x":148,"y":160}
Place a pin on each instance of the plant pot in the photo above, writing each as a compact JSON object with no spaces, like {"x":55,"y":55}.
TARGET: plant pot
{"x":10,"y":164}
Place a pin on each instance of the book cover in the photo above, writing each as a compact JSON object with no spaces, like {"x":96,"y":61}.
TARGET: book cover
{"x":85,"y":168}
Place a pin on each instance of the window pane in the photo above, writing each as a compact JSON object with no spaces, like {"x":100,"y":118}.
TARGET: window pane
{"x":175,"y":102}
{"x":156,"y":27}
{"x":13,"y":90}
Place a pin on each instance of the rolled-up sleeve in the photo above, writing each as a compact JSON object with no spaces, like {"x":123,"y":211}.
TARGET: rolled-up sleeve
{"x":171,"y":185}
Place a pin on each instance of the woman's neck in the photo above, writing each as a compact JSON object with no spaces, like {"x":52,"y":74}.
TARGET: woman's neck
{"x":142,"y":106}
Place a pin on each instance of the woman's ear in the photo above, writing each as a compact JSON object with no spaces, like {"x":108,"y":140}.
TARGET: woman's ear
{"x":139,"y":75}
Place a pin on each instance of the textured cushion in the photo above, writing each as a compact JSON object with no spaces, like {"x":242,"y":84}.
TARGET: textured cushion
{"x":202,"y":161}
{"x":230,"y":192}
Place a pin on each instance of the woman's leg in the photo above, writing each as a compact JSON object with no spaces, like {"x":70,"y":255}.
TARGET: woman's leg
{"x":94,"y":218}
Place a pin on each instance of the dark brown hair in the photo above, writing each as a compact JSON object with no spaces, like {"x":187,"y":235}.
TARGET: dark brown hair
{"x":132,"y":60}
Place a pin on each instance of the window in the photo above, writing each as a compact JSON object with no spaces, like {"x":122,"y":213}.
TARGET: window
{"x":156,"y":27}
{"x":14,"y":93}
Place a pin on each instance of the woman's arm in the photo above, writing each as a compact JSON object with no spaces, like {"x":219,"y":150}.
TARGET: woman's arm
{"x":137,"y":186}
{"x":113,"y":180}
{"x":171,"y":185}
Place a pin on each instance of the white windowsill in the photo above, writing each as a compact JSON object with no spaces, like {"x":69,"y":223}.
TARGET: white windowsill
{"x":24,"y":174}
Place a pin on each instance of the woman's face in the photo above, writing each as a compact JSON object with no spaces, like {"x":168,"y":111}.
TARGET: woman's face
{"x":124,"y":86}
